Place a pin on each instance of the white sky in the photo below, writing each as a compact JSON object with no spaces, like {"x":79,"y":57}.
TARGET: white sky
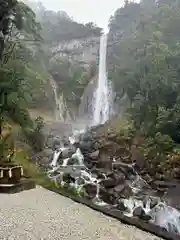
{"x":97,"y":11}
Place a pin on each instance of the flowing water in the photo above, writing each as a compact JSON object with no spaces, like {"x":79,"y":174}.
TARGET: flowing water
{"x":61,"y":110}
{"x":103,"y":93}
{"x":161,"y":214}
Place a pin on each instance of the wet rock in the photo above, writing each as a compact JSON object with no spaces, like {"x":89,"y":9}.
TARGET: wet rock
{"x":119,"y":188}
{"x":48,"y":152}
{"x":104,"y":161}
{"x":121,"y":206}
{"x":99,"y":173}
{"x":127,"y":169}
{"x":110,"y":174}
{"x":118,"y":177}
{"x":137,"y":156}
{"x":172,"y":228}
{"x":67,"y":153}
{"x":106,"y":197}
{"x":53,"y":142}
{"x":144,"y":200}
{"x":43,"y":158}
{"x":124,"y":191}
{"x":68,"y":178}
{"x":146,"y":217}
{"x":87,"y":138}
{"x":108,"y":183}
{"x":91,"y":190}
{"x":56,"y":144}
{"x":112,"y":136}
{"x":86,"y":147}
{"x":89,"y":165}
{"x":172,"y":197}
{"x":75,"y":172}
{"x":94,"y":155}
{"x":147,"y":178}
{"x":163,"y":184}
{"x":140,"y":213}
{"x":80,"y":181}
{"x":153,"y":202}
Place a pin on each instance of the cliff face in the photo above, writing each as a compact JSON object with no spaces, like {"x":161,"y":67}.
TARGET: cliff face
{"x":78,"y":51}
{"x":71,"y":50}
{"x":78,"y":57}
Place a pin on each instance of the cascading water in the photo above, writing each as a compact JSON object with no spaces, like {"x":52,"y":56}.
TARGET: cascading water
{"x":103,"y":92}
{"x":140,"y":193}
{"x":141,"y":198}
{"x":60,"y":107}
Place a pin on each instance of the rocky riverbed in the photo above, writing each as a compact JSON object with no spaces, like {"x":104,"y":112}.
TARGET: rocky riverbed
{"x":105,"y":174}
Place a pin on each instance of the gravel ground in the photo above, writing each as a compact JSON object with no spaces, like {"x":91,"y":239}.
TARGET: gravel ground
{"x":43,"y":215}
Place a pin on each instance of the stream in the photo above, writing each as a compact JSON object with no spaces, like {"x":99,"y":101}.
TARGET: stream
{"x":118,"y":187}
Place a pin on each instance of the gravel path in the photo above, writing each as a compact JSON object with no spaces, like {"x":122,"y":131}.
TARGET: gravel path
{"x":43,"y":215}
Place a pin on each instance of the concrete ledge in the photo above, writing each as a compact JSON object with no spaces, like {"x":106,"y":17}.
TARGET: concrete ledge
{"x":24,"y":184}
{"x":115,"y":213}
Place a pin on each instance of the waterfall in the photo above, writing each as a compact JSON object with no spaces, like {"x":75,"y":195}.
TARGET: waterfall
{"x":61,"y":111}
{"x":102,"y":101}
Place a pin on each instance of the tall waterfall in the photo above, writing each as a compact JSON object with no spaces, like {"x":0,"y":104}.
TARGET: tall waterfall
{"x":103,"y":93}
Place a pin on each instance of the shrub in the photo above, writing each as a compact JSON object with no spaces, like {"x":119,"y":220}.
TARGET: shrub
{"x":35,"y":136}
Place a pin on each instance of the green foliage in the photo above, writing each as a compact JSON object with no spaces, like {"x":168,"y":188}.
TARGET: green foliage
{"x":163,"y":143}
{"x":58,"y":26}
{"x":143,"y":62}
{"x":35,"y":136}
{"x":18,"y":68}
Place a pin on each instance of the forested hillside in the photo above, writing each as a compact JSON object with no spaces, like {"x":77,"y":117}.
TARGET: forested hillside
{"x":144,"y":63}
{"x":18,"y":62}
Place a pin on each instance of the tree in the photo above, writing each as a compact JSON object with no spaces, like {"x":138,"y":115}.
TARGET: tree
{"x":18,"y":25}
{"x":143,"y":62}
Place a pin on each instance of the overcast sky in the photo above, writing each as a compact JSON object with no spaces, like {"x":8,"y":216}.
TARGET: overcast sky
{"x":97,"y":11}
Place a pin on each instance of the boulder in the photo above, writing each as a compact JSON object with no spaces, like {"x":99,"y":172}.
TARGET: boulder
{"x":118,"y":177}
{"x":153,"y":202}
{"x":68,"y":178}
{"x":87,"y":137}
{"x":121,"y":206}
{"x":56,"y":143}
{"x":99,"y":173}
{"x":80,"y":181}
{"x":140,"y":213}
{"x":123,"y":191}
{"x":86,"y":147}
{"x":67,"y":152}
{"x":127,"y":169}
{"x":148,"y":178}
{"x":108,"y":183}
{"x":104,"y":161}
{"x":91,"y":190}
{"x":163,"y":184}
{"x":137,"y":156}
{"x":94,"y":155}
{"x":43,"y":158}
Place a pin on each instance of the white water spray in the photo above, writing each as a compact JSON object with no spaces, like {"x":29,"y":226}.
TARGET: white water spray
{"x":55,"y":158}
{"x":102,"y":94}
